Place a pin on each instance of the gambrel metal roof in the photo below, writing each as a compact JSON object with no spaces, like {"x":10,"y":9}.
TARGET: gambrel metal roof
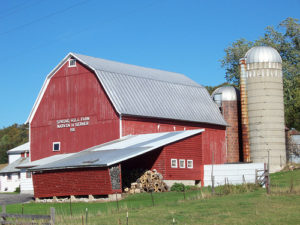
{"x":116,"y":151}
{"x":145,"y":92}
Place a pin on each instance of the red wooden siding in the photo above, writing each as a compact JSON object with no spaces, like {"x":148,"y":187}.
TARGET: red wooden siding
{"x":213,"y":138}
{"x":160,"y":159}
{"x":188,"y":149}
{"x":73,"y":92}
{"x":89,"y":181}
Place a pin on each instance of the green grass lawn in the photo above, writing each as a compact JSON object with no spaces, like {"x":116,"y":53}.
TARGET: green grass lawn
{"x":253,"y":206}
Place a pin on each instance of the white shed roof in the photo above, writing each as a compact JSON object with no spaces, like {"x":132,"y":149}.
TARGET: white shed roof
{"x":19,"y":149}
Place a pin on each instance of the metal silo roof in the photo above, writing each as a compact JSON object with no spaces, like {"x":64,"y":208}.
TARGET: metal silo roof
{"x":262,"y":54}
{"x":229,"y":93}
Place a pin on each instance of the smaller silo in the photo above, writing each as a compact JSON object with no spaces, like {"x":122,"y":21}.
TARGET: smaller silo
{"x":228,"y":100}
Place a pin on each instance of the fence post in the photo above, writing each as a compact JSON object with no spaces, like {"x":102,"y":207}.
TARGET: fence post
{"x":3,"y":208}
{"x":213,"y":185}
{"x":52,"y":215}
{"x":256,"y":181}
{"x":268,"y":173}
{"x":183,"y":192}
{"x":127,"y":218}
{"x":280,"y":162}
{"x":152,"y":198}
{"x":117,"y":201}
{"x":71,"y":206}
{"x":86,"y":216}
{"x":3,"y":211}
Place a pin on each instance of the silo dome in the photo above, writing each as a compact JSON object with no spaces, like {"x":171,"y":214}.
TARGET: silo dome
{"x":262,"y":54}
{"x":228,"y":93}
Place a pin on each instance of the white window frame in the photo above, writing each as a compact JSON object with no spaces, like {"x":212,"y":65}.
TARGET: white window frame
{"x":175,"y":166}
{"x":181,"y":160}
{"x":187,"y":164}
{"x":54,"y":143}
{"x":72,"y":60}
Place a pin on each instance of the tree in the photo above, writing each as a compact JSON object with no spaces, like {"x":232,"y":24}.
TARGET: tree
{"x":286,"y":39}
{"x":211,"y":89}
{"x":11,"y":137}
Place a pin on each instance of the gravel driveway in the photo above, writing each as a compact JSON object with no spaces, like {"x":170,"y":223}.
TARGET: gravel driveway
{"x":6,"y":199}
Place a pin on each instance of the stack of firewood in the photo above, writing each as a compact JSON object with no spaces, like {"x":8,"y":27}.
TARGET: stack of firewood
{"x":150,"y":181}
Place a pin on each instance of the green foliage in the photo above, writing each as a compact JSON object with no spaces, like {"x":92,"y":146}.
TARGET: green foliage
{"x":177,"y":187}
{"x":211,"y":89}
{"x":230,"y":62}
{"x":286,"y":39}
{"x":235,"y":189}
{"x":17,"y":190}
{"x":255,"y":207}
{"x":11,"y":137}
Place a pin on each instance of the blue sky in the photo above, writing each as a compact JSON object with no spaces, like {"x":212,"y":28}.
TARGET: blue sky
{"x":185,"y":36}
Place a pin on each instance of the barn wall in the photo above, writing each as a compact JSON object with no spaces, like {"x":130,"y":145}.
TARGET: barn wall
{"x":213,"y":138}
{"x":73,"y":94}
{"x":160,"y":159}
{"x":89,"y":181}
{"x":187,"y":149}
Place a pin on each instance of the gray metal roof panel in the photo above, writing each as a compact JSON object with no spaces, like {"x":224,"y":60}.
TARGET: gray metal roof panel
{"x":44,"y":161}
{"x":119,"y":150}
{"x":12,"y":167}
{"x":159,"y":99}
{"x":133,"y":70}
{"x":141,"y":91}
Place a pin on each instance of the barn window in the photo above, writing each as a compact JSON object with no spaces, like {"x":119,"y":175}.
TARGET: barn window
{"x":173,"y":163}
{"x":8,"y":176}
{"x":56,"y":146}
{"x":181,"y":163}
{"x":190,"y":164}
{"x":72,"y":62}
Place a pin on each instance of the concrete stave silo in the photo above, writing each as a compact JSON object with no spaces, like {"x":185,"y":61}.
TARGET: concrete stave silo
{"x":265,"y":106}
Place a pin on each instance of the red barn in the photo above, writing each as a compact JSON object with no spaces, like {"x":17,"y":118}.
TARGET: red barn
{"x":96,"y":120}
